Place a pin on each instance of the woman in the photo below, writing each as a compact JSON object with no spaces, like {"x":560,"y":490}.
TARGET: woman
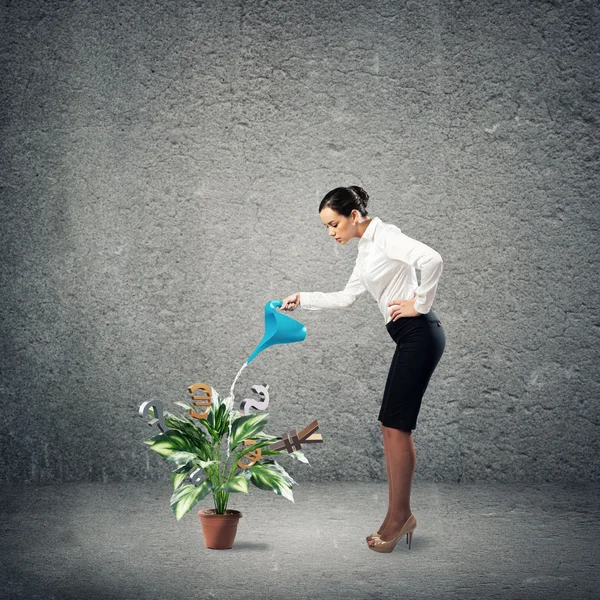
{"x":385,"y":266}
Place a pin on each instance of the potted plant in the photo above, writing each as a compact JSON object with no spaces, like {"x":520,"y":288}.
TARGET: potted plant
{"x":208,"y":453}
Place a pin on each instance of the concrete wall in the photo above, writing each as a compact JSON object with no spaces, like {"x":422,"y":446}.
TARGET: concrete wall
{"x":161,"y":167}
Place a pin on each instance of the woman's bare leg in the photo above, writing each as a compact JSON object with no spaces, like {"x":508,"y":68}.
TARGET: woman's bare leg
{"x":389,"y":478}
{"x":400,"y":452}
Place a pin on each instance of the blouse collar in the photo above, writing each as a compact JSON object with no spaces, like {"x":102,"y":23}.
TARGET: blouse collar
{"x":371,"y":228}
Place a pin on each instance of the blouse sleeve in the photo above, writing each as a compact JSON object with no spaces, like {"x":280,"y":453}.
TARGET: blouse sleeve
{"x":399,"y":246}
{"x":347,"y":297}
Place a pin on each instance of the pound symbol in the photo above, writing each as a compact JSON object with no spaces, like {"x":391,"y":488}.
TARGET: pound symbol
{"x":158,"y":408}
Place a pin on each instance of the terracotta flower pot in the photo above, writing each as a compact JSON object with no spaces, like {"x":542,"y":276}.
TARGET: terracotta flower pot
{"x":219,"y":530}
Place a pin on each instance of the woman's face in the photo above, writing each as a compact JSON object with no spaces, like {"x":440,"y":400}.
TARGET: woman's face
{"x":339,"y":227}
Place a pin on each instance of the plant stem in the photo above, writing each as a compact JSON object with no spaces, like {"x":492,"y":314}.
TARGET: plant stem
{"x":220,"y":498}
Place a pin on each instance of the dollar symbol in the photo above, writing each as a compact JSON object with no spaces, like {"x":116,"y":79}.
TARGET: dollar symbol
{"x":248,"y":403}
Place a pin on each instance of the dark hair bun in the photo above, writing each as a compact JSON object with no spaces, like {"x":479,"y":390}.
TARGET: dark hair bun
{"x":364,"y":197}
{"x":344,"y":200}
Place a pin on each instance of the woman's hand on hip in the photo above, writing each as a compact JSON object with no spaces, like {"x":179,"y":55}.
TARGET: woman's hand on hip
{"x":291,"y":302}
{"x":403,"y":308}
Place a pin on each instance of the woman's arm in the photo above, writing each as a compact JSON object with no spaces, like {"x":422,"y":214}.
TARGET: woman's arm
{"x":347,"y":297}
{"x":399,"y":246}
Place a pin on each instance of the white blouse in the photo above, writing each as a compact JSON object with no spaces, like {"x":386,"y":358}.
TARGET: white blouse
{"x":385,"y":266}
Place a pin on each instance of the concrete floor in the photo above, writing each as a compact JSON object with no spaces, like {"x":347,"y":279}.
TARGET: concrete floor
{"x":481,"y":541}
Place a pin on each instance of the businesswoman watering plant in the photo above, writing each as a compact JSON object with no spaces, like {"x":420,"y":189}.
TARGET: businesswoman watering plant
{"x":386,"y":266}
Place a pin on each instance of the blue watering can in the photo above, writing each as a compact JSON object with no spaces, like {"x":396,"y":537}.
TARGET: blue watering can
{"x":279,"y":329}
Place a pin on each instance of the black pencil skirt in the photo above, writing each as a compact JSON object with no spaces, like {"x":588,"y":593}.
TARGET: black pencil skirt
{"x":420,"y":343}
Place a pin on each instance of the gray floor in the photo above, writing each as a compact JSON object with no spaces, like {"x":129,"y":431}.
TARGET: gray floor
{"x":472,"y":541}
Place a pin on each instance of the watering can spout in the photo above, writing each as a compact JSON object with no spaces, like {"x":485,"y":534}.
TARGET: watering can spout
{"x":279,"y":329}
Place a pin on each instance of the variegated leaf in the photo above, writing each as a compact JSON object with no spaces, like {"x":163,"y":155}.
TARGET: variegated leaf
{"x":184,"y":498}
{"x":272,"y":476}
{"x":172,"y":441}
{"x":238,"y":484}
{"x":178,"y":475}
{"x":245,"y":427}
{"x":299,"y":455}
{"x":182,"y":458}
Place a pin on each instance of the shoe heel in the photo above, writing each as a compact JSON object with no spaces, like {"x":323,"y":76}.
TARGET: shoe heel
{"x":409,"y":539}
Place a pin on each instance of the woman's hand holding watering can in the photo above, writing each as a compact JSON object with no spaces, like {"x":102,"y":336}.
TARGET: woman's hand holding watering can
{"x":291,"y":302}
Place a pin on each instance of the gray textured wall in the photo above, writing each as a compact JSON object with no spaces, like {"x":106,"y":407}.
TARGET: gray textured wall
{"x":161,"y":168}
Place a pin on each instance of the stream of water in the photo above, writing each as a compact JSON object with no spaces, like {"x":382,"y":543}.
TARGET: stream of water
{"x":232,"y":396}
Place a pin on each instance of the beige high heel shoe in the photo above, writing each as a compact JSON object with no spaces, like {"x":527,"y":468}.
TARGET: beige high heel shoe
{"x":388,"y":545}
{"x":375,"y":534}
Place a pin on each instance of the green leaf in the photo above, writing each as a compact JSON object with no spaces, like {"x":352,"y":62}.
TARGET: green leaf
{"x":286,"y":492}
{"x":222,"y":421}
{"x":196,"y":422}
{"x":261,"y":435}
{"x":272,"y":476}
{"x":197,"y":441}
{"x":265,"y":452}
{"x":205,"y":463}
{"x":172,"y":441}
{"x":222,"y":413}
{"x":214,"y":407}
{"x":154,"y":439}
{"x":184,"y":498}
{"x":188,"y":426}
{"x":246,"y":427}
{"x":203,"y":422}
{"x":182,"y":458}
{"x":299,"y":455}
{"x":185,"y":405}
{"x":178,"y":479}
{"x":178,"y":475}
{"x":237,"y":484}
{"x":260,"y":444}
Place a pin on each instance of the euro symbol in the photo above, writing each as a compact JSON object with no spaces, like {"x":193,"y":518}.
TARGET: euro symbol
{"x":204,"y":400}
